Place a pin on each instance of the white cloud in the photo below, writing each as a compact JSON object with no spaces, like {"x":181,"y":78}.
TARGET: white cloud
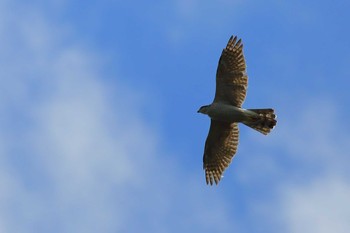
{"x":320,"y":206}
{"x":315,"y":193}
{"x":300,"y":172}
{"x":78,"y":157}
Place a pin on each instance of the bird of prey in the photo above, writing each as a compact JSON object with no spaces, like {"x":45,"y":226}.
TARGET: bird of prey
{"x":226,"y":112}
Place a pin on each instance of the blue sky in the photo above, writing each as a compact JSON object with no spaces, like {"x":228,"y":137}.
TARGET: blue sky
{"x":99,"y":130}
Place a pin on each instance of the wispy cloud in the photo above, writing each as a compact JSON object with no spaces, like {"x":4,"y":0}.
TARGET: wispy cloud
{"x":318,"y":206}
{"x":316,"y":200}
{"x":307,"y":169}
{"x":79,"y":158}
{"x":77,"y":154}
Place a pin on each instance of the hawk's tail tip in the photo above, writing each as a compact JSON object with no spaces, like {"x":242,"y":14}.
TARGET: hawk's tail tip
{"x":265,"y":120}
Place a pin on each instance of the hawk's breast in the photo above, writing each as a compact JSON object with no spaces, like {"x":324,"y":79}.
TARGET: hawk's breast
{"x":226,"y":112}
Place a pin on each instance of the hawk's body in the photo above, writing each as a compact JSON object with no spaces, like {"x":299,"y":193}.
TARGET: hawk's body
{"x":226,"y":112}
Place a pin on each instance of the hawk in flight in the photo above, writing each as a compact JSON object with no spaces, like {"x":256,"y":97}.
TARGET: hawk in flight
{"x":226,"y":112}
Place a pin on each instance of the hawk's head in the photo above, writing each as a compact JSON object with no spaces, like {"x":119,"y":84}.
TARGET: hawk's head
{"x":204,"y":109}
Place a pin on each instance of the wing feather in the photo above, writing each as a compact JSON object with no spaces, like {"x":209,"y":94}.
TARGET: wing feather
{"x":220,"y":147}
{"x":231,"y":76}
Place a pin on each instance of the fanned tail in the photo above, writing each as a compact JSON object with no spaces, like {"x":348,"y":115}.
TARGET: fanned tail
{"x":263,"y":121}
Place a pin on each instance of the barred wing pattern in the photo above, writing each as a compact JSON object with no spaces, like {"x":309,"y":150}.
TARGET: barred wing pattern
{"x":220,"y":147}
{"x":231,"y":77}
{"x":231,"y":87}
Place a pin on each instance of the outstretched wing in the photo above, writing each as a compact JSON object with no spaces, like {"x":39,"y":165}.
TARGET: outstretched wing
{"x":231,"y":76}
{"x":220,"y":147}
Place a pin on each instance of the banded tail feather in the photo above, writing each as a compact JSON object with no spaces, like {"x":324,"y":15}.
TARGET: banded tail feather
{"x":263,"y":121}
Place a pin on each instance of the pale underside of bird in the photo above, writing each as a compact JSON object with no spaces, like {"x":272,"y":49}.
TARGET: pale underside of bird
{"x":226,"y":112}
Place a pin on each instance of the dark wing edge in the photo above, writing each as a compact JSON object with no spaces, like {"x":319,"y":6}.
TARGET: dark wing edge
{"x":220,"y":147}
{"x":231,"y":76}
